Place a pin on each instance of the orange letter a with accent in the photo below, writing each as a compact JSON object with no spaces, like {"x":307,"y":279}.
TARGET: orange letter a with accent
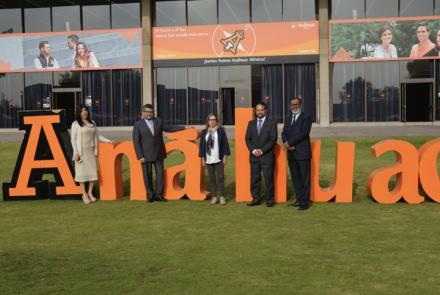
{"x":405,"y":169}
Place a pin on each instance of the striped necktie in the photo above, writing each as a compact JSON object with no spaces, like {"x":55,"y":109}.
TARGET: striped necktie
{"x":151,"y":126}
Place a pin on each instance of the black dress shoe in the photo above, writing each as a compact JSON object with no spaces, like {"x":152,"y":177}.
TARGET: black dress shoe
{"x":296,"y":204}
{"x":303,"y":208}
{"x":254,"y":204}
{"x":150,"y":199}
{"x":161,"y":199}
{"x":270,"y":205}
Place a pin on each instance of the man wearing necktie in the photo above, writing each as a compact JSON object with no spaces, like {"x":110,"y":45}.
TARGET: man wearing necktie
{"x":150,"y":149}
{"x":296,"y":138}
{"x":261,"y":137}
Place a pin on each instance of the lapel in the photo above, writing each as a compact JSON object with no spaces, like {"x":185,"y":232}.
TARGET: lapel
{"x":155,"y":127}
{"x":298,"y":121}
{"x":148,"y":128}
{"x":263,"y":126}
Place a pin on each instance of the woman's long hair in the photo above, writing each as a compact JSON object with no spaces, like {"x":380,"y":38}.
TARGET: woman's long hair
{"x":381,"y":30}
{"x":437,"y":46}
{"x":78,"y":118}
{"x":86,"y":53}
{"x":219,"y":124}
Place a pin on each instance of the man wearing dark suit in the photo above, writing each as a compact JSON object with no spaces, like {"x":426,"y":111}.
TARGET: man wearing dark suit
{"x":150,"y":149}
{"x":261,"y":137}
{"x":296,"y":138}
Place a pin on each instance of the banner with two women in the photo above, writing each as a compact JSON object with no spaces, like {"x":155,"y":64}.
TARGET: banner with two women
{"x":394,"y":39}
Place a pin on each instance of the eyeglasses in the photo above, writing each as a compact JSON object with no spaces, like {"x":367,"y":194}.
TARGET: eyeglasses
{"x":212,"y":119}
{"x":149,"y":112}
{"x":295,"y":105}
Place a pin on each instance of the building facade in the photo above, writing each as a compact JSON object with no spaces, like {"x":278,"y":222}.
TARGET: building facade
{"x":185,"y":82}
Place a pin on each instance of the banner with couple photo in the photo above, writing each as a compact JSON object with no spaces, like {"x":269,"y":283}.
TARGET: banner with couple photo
{"x":103,"y":49}
{"x":403,"y":38}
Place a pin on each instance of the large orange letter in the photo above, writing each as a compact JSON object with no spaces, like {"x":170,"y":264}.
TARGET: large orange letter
{"x":110,"y":172}
{"x":428,"y":174}
{"x":405,"y":168}
{"x":194,"y":187}
{"x":58,"y":164}
{"x":243,"y":167}
{"x":342,"y":186}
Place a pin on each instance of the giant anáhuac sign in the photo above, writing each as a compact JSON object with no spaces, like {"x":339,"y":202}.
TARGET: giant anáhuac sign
{"x":43,"y":152}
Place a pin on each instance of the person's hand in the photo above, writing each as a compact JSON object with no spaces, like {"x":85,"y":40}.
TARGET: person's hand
{"x":291,"y":148}
{"x":257,"y":153}
{"x":286,"y":144}
{"x":190,"y":127}
{"x":142,"y":161}
{"x":112,"y":142}
{"x":76,"y":157}
{"x":225,"y":160}
{"x":203,"y":162}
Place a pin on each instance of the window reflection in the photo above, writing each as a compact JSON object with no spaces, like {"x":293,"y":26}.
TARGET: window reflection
{"x":349,"y":92}
{"x":127,"y":97}
{"x":37,"y":88}
{"x":171,"y":95}
{"x":37,"y":16}
{"x":348,"y":9}
{"x":65,"y":15}
{"x":265,"y":11}
{"x":11,"y":99}
{"x":233,"y":11}
{"x":202,"y":12}
{"x":125,"y":15}
{"x":170,"y":13}
{"x":416,"y":8}
{"x":377,"y":9}
{"x":202,"y":93}
{"x":414,"y":69}
{"x":299,"y":10}
{"x":96,"y":17}
{"x":67,"y":79}
{"x":10,"y":17}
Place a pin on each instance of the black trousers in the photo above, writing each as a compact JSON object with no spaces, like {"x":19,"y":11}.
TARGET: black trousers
{"x":147,"y":170}
{"x":268,"y":170}
{"x":300,"y":173}
{"x":218,"y":168}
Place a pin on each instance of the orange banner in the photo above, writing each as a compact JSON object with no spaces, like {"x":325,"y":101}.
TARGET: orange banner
{"x":242,"y":42}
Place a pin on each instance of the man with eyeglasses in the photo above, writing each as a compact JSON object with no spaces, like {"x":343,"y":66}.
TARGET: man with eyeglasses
{"x":150,"y":149}
{"x":296,"y":138}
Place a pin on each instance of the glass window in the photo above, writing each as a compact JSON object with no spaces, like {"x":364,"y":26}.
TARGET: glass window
{"x":383,"y":91}
{"x":416,"y":8}
{"x":272,"y":91}
{"x":37,"y":16}
{"x":11,"y":99}
{"x":67,"y":79}
{"x":37,"y":88}
{"x":125,"y":14}
{"x":266,"y":11}
{"x":298,"y":10}
{"x":65,"y":15}
{"x":10,"y":17}
{"x":348,"y":9}
{"x":202,"y":12}
{"x":127,"y":97}
{"x":202,"y":93}
{"x":414,"y":69}
{"x":170,"y":13}
{"x":437,"y":7}
{"x":96,"y":85}
{"x":235,"y":74}
{"x":378,"y":9}
{"x":233,"y":11}
{"x":349,"y":92}
{"x":171,"y":95}
{"x":437,"y":91}
{"x":96,"y":15}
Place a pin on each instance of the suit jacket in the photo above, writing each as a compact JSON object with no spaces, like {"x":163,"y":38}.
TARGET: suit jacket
{"x":265,"y":141}
{"x":149,"y":146}
{"x":299,"y":137}
{"x":223,"y":145}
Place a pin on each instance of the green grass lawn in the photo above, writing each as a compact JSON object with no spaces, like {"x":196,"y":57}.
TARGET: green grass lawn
{"x":192,"y":247}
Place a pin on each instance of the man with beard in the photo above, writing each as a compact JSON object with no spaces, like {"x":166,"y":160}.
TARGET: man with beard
{"x":296,"y":138}
{"x":44,"y":60}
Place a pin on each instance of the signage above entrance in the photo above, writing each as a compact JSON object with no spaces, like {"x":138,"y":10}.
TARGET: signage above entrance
{"x":237,"y":44}
{"x":404,"y":38}
{"x":57,"y":51}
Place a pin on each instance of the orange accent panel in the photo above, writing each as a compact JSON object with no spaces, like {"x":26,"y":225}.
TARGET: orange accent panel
{"x":428,"y":175}
{"x":342,"y":186}
{"x":280,"y":174}
{"x":40,"y":123}
{"x":405,"y":169}
{"x":242,"y":165}
{"x":110,"y":172}
{"x":194,"y":187}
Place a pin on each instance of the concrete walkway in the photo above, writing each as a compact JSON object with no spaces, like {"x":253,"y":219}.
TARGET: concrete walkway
{"x":125,"y":133}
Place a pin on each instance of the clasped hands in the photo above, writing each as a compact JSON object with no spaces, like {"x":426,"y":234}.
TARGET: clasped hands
{"x":258,"y":153}
{"x":288,"y":147}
